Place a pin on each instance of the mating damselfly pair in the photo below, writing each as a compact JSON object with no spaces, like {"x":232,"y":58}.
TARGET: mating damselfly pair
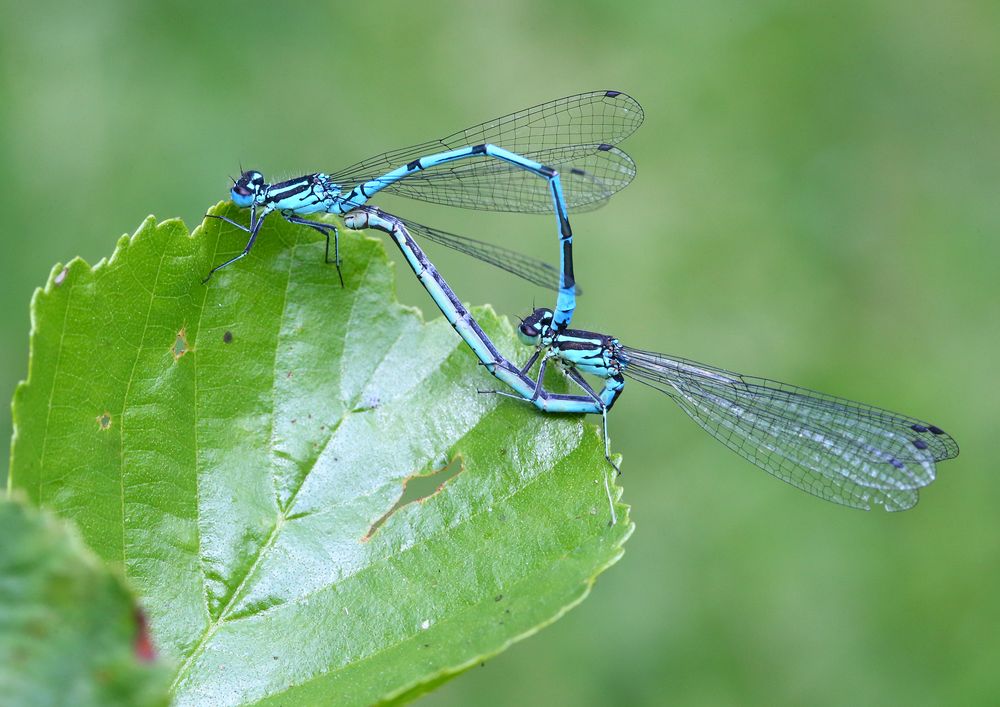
{"x":563,"y":156}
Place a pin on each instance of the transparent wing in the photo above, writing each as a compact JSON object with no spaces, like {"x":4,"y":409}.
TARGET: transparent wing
{"x":526,"y":267}
{"x":846,"y":452}
{"x":589,"y":177}
{"x":575,"y":135}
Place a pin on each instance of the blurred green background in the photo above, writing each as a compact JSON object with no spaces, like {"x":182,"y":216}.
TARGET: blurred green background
{"x":817,"y":201}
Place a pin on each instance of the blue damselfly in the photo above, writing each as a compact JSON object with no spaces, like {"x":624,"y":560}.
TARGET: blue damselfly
{"x":559,"y":155}
{"x":846,"y":452}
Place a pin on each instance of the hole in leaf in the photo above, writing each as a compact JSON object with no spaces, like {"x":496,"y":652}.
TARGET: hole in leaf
{"x":104,"y":420}
{"x":180,"y":344}
{"x":418,"y":488}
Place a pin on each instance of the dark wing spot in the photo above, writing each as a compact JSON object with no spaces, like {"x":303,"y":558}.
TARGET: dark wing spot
{"x":935,"y":430}
{"x":920,"y":444}
{"x":918,"y":428}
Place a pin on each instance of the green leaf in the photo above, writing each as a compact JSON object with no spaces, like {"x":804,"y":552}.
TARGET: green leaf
{"x":69,"y":630}
{"x":239,"y":450}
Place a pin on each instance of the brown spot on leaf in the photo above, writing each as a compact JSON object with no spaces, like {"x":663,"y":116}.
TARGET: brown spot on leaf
{"x":104,"y":420}
{"x":180,"y":346}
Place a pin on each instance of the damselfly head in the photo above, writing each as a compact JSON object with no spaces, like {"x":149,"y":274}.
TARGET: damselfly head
{"x":247,"y":187}
{"x":535,"y":326}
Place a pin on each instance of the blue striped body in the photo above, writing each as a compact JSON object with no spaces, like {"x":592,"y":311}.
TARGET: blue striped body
{"x":309,"y":194}
{"x":316,"y":193}
{"x":576,"y":352}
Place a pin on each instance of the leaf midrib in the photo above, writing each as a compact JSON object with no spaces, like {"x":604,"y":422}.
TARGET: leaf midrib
{"x":283,"y":512}
{"x":402,"y":550}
